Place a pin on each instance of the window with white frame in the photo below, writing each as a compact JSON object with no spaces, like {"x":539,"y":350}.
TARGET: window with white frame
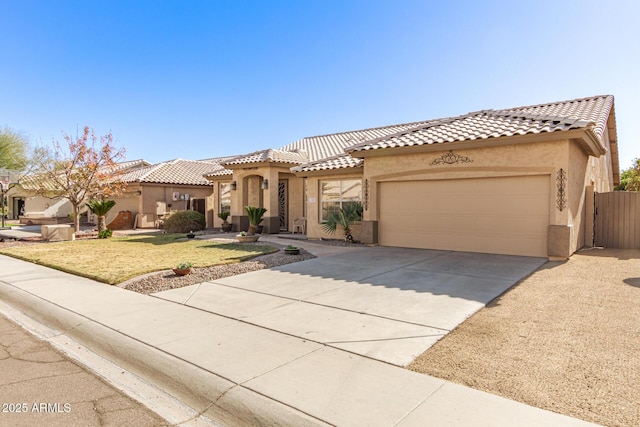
{"x":225,"y":197}
{"x":335,"y":194}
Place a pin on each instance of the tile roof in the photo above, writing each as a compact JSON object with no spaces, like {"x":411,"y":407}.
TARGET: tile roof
{"x":131,"y":164}
{"x":341,"y":161}
{"x":121,"y":169}
{"x":331,"y":152}
{"x":590,"y":114}
{"x":219,"y":159}
{"x":269,"y":155}
{"x":217,"y":170}
{"x":178,"y":172}
{"x":324,"y":146}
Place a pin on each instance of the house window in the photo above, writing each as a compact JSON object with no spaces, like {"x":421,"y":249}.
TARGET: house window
{"x":225,"y":197}
{"x":335,"y":194}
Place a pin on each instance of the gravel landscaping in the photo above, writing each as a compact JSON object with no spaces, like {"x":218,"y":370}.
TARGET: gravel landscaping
{"x":165,"y":280}
{"x":566,"y":339}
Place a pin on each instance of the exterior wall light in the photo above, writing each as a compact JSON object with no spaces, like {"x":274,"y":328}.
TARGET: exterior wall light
{"x":265,"y":184}
{"x":233,"y":185}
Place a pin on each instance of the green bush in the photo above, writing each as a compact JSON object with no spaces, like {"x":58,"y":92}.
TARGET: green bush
{"x":105,"y":234}
{"x":184,"y":222}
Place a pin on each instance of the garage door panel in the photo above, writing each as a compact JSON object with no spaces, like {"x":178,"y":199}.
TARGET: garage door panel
{"x":495,"y":215}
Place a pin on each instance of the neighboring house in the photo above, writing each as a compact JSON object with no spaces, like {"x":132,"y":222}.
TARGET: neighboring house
{"x":151,"y":194}
{"x":154,"y":191}
{"x":516,"y":181}
{"x":31,"y":209}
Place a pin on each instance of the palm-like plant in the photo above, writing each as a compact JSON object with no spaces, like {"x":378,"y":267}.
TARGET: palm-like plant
{"x":223,"y":216}
{"x":100,"y":208}
{"x":349,"y":213}
{"x":255,"y":215}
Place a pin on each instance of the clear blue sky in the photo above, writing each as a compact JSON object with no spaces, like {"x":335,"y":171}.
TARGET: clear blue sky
{"x":198,"y":79}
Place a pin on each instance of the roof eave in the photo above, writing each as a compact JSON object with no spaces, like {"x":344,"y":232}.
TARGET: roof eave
{"x":207,"y":184}
{"x":486,"y":142}
{"x":347,"y":170}
{"x":215,"y":178}
{"x":265,"y":163}
{"x":592,"y":143}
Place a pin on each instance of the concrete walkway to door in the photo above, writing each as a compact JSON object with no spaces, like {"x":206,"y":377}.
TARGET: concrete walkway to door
{"x":389,"y":304}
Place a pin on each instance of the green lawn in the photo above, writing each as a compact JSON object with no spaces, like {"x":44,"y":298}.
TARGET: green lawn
{"x":118,"y":259}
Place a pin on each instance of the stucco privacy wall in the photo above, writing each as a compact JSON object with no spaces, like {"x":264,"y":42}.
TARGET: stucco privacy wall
{"x":125,"y":202}
{"x":38,"y":206}
{"x":586,"y":174}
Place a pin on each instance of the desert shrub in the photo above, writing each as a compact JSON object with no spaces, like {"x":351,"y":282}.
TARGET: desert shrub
{"x":184,"y":222}
{"x":105,"y":234}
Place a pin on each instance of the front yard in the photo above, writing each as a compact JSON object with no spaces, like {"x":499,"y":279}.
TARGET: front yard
{"x":566,"y":339}
{"x":118,"y":259}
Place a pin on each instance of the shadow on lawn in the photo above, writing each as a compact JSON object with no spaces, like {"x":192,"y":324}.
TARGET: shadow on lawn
{"x":154,"y":239}
{"x":167,"y":239}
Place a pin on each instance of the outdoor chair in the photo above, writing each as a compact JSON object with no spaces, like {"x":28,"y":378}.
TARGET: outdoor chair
{"x":300,"y":224}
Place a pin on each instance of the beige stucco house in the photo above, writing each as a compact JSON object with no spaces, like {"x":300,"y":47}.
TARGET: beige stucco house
{"x":152,"y":193}
{"x":155,"y":191}
{"x":516,"y":181}
{"x":34,"y":209}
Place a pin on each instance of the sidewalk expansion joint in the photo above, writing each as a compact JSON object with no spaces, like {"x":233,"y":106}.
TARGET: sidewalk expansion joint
{"x":243,"y":385}
{"x":384,"y":339}
{"x":305,"y":302}
{"x":288,"y":406}
{"x":294,"y":336}
{"x":417,"y":405}
{"x":89,"y":321}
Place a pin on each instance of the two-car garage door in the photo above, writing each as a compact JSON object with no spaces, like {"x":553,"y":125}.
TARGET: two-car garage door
{"x":506,"y":215}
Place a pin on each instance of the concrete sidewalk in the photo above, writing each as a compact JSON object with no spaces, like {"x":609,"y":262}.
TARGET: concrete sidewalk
{"x":39,"y":386}
{"x":241,"y":374}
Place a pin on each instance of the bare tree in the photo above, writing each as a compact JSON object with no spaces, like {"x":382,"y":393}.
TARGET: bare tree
{"x":84,"y":168}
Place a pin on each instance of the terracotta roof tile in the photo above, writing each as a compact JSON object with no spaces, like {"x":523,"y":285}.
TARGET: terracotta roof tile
{"x":586,"y":113}
{"x":324,"y":146}
{"x":341,"y":161}
{"x":178,"y":171}
{"x":269,"y":155}
{"x":218,"y":170}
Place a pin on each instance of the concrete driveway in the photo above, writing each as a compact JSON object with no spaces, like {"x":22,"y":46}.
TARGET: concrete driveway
{"x":389,"y":304}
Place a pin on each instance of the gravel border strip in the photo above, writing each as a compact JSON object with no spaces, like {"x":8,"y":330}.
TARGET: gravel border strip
{"x":166,"y":280}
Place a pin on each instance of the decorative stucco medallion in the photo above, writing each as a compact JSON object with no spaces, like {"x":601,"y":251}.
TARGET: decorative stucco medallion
{"x":450,"y":158}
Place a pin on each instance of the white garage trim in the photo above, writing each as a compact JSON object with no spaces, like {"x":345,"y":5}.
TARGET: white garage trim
{"x":503,"y":215}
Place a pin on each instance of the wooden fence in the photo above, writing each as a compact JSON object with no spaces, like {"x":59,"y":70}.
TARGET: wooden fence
{"x":617,"y":220}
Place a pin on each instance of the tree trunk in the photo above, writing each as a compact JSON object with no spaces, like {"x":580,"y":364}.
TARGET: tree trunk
{"x":347,"y":235}
{"x":102,"y":223}
{"x":76,"y":217}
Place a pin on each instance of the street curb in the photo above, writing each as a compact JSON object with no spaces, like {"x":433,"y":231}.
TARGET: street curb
{"x":206,"y":393}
